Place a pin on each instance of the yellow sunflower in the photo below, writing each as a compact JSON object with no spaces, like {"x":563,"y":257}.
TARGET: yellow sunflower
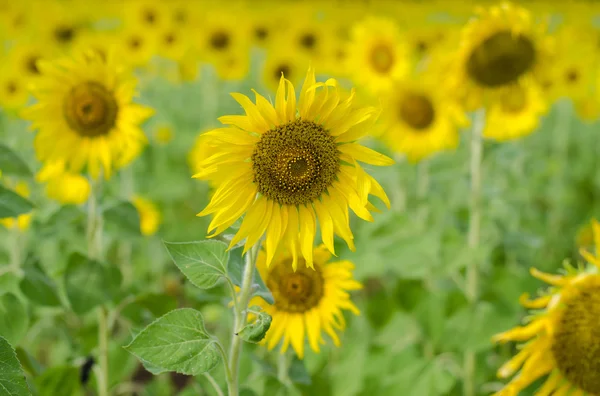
{"x":289,"y":63}
{"x":419,"y":120}
{"x":308,"y":301}
{"x":63,"y":186}
{"x":501,"y":45}
{"x":85,"y":116}
{"x":136,"y":46}
{"x":515,"y":113}
{"x":149,"y":215}
{"x":561,"y":340}
{"x":14,"y":90}
{"x":286,"y":167}
{"x":376,"y":54}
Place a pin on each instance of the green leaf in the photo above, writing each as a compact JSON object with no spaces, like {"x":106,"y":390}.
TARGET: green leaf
{"x":298,"y":373}
{"x":62,"y":380}
{"x":235,"y":268}
{"x":12,"y":204}
{"x":13,"y":318}
{"x":177,"y":342}
{"x":12,"y":164}
{"x":38,"y":287}
{"x":28,"y":362}
{"x":255,"y":331}
{"x":62,"y":220}
{"x":123,"y":219}
{"x":12,"y":377}
{"x":204,"y":263}
{"x":87,"y":283}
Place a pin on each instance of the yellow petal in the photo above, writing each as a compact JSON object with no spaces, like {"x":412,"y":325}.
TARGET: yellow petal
{"x":365,"y":154}
{"x":307,"y":233}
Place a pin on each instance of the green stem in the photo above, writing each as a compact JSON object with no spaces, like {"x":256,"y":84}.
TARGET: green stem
{"x":240,"y":318}
{"x":473,"y":236}
{"x":103,"y":351}
{"x":283,"y":368}
{"x":214,"y":384}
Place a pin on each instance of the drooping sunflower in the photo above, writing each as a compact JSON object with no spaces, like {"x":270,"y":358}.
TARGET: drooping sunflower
{"x":287,"y":167}
{"x":561,"y":340}
{"x":377,"y":54}
{"x":308,"y":302}
{"x":419,"y":120}
{"x":85,"y":115}
{"x":500,"y":46}
{"x":516,"y":112}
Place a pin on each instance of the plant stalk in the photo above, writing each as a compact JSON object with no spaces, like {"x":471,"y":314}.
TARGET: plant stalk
{"x":473,"y":236}
{"x":240,"y":314}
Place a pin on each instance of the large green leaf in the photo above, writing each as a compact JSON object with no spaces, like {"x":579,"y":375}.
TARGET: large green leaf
{"x":13,"y":318}
{"x":204,"y":263}
{"x":12,"y":204}
{"x":62,"y":380}
{"x":12,"y":164}
{"x":177,"y":342}
{"x":123,"y":219}
{"x":38,"y":287}
{"x":87,"y":282}
{"x":12,"y":377}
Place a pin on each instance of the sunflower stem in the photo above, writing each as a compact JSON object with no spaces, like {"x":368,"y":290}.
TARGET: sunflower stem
{"x":94,"y":240}
{"x":283,"y":368}
{"x":240,"y":313}
{"x":473,"y":239}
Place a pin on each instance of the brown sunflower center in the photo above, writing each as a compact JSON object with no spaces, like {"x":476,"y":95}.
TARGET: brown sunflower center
{"x":295,"y":163}
{"x":90,"y":109}
{"x":220,"y":40}
{"x":149,"y":16}
{"x":308,"y":41}
{"x":282,"y":68}
{"x":11,"y":87}
{"x":31,"y":64}
{"x":576,"y":343}
{"x":134,"y":42}
{"x":261,"y":33}
{"x":382,"y":58}
{"x":296,"y":292}
{"x":417,"y":111}
{"x":513,"y":100}
{"x":64,"y":34}
{"x":501,"y":59}
{"x":572,"y":75}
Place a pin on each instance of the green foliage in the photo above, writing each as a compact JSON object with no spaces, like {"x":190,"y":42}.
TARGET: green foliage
{"x":177,"y":342}
{"x":12,"y":204}
{"x":60,"y":380}
{"x":256,"y":330}
{"x":12,"y":164}
{"x":204,"y":263}
{"x":12,"y":378}
{"x":14,"y":318}
{"x":235,"y":269}
{"x":38,"y":287}
{"x":122,"y":219}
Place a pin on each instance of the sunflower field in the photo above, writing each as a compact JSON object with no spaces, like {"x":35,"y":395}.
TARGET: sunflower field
{"x":341,"y":198}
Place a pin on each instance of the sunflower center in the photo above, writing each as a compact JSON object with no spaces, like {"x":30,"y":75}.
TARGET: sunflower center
{"x":135,"y":42}
{"x":295,"y":163}
{"x":576,"y":344}
{"x":501,"y":59}
{"x":261,"y":33}
{"x":417,"y":111}
{"x":149,"y":17}
{"x":31,"y":64}
{"x":572,"y":76}
{"x":219,"y":40}
{"x":64,"y":34}
{"x":11,"y":87}
{"x":283,"y":68}
{"x":382,"y":58}
{"x":308,"y":40}
{"x":513,"y":100}
{"x":295,"y":292}
{"x":90,"y":109}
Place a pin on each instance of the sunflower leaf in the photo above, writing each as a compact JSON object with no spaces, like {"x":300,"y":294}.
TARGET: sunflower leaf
{"x":12,"y":164}
{"x":12,"y":204}
{"x":88,"y":283}
{"x":123,"y":219}
{"x":38,"y":287}
{"x":176,"y":342}
{"x":13,"y":318}
{"x":12,"y":377}
{"x":204,"y":263}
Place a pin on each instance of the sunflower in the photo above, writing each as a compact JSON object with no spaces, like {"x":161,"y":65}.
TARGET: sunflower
{"x":24,"y":58}
{"x":135,"y":46}
{"x":419,"y":120}
{"x":377,"y":54}
{"x":515,"y":113}
{"x":220,"y":35}
{"x":148,"y":15}
{"x":149,"y":215}
{"x":286,"y":168}
{"x":85,"y":116}
{"x":561,"y":338}
{"x":500,"y":46}
{"x":21,"y":222}
{"x":307,"y":301}
{"x":289,"y":63}
{"x":65,"y":187}
{"x":13,"y":89}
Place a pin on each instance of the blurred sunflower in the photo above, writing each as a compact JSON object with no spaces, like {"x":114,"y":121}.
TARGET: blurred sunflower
{"x":171,"y":42}
{"x":561,"y":339}
{"x":24,"y":58}
{"x":500,"y":46}
{"x":63,"y":186}
{"x":419,"y":120}
{"x":14,"y":90}
{"x":148,"y":15}
{"x":21,"y":222}
{"x":289,"y":63}
{"x":220,"y":35}
{"x":135,"y":46}
{"x":85,"y":116}
{"x":308,"y":301}
{"x":149,"y":215}
{"x":516,"y":112}
{"x":377,"y":54}
{"x":286,"y":170}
